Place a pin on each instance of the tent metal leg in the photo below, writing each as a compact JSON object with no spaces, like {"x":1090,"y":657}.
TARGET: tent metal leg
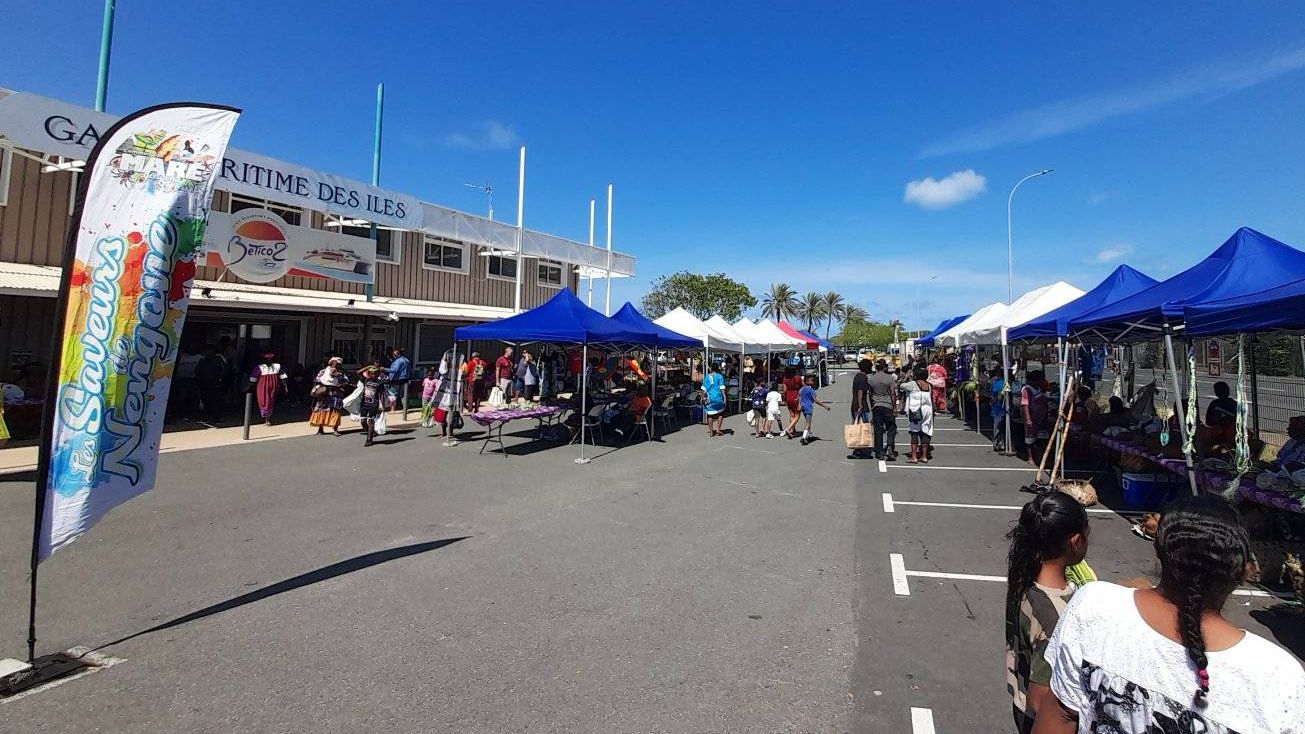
{"x":1005,"y":366}
{"x":584,"y":399}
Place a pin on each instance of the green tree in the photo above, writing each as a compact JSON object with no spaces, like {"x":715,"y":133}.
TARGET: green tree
{"x":810,"y":309}
{"x":853,"y":312}
{"x":835,"y":309}
{"x":779,"y":303}
{"x":860,"y":333}
{"x":701,"y":295}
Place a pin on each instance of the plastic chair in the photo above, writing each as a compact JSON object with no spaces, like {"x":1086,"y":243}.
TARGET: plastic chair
{"x":593,"y":423}
{"x":640,"y":422}
{"x":666,"y":411}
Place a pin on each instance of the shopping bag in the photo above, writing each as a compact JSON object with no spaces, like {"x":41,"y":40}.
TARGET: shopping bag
{"x":353,"y":403}
{"x":859,"y":435}
{"x":380,"y":425}
{"x":496,"y":397}
{"x":426,"y":410}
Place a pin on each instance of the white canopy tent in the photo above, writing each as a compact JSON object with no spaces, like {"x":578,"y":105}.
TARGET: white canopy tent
{"x":951,"y":337}
{"x":724,"y":327}
{"x":764,"y":341}
{"x":1027,"y":307}
{"x":775,"y":335}
{"x":687,"y":324}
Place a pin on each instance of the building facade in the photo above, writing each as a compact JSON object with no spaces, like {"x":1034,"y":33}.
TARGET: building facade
{"x":447,"y":270}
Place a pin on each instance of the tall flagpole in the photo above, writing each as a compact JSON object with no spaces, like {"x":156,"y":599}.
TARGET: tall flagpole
{"x":106,"y":48}
{"x":370,"y":289}
{"x":607,"y":306}
{"x":521,"y":210}
{"x":593,"y":201}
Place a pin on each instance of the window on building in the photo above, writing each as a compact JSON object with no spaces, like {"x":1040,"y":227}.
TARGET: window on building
{"x":345,"y":340}
{"x":5,"y":162}
{"x":389,"y":242}
{"x":441,"y":253}
{"x":292,"y":215}
{"x":550,"y":273}
{"x":503,"y":266}
{"x":432,"y":341}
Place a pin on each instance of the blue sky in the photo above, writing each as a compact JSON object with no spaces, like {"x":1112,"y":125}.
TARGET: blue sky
{"x":772,"y":143}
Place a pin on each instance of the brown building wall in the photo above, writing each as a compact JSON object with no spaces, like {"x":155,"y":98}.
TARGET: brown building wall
{"x":34,"y":224}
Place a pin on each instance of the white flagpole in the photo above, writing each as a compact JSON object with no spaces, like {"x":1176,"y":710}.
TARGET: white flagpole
{"x":521,"y":209}
{"x":607,"y":307}
{"x":590,"y":303}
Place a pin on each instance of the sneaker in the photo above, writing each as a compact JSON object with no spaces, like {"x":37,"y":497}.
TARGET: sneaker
{"x":804,"y":441}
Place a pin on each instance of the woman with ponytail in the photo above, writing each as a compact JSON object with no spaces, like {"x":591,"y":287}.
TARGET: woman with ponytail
{"x":1165,"y":659}
{"x":1051,"y":535}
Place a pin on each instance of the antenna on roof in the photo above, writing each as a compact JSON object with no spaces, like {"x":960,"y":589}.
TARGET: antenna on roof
{"x":489,"y":193}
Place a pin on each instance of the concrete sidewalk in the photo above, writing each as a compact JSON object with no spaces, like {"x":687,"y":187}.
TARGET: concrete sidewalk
{"x":23,"y":458}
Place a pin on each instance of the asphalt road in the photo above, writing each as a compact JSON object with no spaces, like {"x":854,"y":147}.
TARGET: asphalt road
{"x":694,"y":585}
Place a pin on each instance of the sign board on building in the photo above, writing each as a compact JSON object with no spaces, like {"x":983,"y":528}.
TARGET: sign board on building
{"x":57,"y":128}
{"x":258,"y":246}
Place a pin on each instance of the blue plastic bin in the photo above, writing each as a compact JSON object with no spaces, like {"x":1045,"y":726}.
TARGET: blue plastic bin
{"x":1147,"y":491}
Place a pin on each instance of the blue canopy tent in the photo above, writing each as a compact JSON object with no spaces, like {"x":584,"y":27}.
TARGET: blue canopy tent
{"x":944,"y":325}
{"x":630,"y":316}
{"x":562,"y":319}
{"x":1249,"y":262}
{"x":1120,"y":284}
{"x":1281,"y":308}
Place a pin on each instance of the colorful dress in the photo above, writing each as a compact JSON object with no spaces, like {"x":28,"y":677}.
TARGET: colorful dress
{"x":328,"y":406}
{"x":937,"y":385}
{"x":714,"y":386}
{"x":266,"y":379}
{"x":373,"y":396}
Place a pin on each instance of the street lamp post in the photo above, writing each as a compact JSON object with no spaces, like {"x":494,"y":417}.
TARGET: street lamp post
{"x":1010,"y":291}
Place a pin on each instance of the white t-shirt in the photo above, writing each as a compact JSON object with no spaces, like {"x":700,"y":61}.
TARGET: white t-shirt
{"x":1123,"y":677}
{"x":773,"y":399}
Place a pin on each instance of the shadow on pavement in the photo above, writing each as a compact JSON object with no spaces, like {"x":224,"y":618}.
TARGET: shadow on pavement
{"x":357,"y":563}
{"x":1287,"y":625}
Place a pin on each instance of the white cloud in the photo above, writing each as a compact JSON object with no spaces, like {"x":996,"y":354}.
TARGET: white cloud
{"x":930,"y":193}
{"x":1112,"y":253}
{"x":1076,"y":113}
{"x":1098,"y":198}
{"x":486,"y":135}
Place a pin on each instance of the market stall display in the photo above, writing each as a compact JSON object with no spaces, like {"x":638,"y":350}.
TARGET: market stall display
{"x":495,"y":420}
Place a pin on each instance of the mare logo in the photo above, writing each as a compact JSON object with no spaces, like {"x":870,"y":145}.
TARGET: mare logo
{"x":257,"y":249}
{"x":159,"y":161}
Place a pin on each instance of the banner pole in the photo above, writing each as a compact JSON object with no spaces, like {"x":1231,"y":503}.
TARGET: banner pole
{"x":106,"y":48}
{"x":369,"y":289}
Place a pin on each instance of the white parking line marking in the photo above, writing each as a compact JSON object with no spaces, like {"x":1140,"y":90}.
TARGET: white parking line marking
{"x":963,"y":468}
{"x":900,"y":585}
{"x":963,"y":445}
{"x":921,"y":721}
{"x":883,"y":467}
{"x":960,"y":505}
{"x":888,"y":502}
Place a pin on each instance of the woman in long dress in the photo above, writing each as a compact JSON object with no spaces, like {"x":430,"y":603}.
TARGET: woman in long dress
{"x":713,"y":385}
{"x":919,"y":415}
{"x":328,"y":397}
{"x":266,"y":381}
{"x":447,"y":398}
{"x":937,"y":378}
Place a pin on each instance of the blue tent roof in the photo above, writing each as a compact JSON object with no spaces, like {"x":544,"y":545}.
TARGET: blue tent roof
{"x":1249,"y":262}
{"x":822,"y":342}
{"x":944,"y":325}
{"x":564,"y":318}
{"x":1276,"y":308}
{"x":1122,"y":283}
{"x":630,"y":316}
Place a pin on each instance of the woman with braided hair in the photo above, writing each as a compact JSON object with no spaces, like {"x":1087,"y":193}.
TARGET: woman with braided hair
{"x":1164,"y":659}
{"x":1051,"y":535}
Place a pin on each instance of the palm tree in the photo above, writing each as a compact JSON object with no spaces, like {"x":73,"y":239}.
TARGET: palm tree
{"x":780,"y":303}
{"x":834,"y":306}
{"x":811,"y":309}
{"x":852,"y":312}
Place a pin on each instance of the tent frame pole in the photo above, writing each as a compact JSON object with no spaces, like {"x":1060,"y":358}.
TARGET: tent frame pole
{"x":1005,"y":367}
{"x":584,"y":398}
{"x":1178,"y":407}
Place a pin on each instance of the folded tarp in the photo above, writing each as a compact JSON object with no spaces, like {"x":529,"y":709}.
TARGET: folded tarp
{"x":1247,"y":263}
{"x":1054,"y":324}
{"x":562,"y":319}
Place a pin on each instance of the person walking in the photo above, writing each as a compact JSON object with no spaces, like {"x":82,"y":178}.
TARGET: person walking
{"x":938,"y":385}
{"x":429,"y":383}
{"x":328,"y":397}
{"x":713,"y":386}
{"x":1051,"y":535}
{"x":758,"y":397}
{"x":1164,"y":659}
{"x":860,"y":405}
{"x":210,"y":375}
{"x":474,"y":389}
{"x":807,"y":401}
{"x":446,"y":399}
{"x":792,"y":387}
{"x":398,"y":373}
{"x":919,"y":415}
{"x":372,"y":402}
{"x":267,"y":380}
{"x":1033,"y":409}
{"x":883,"y":410}
{"x":774,"y":398}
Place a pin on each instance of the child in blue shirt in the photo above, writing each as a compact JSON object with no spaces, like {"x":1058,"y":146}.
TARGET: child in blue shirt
{"x":807,"y":401}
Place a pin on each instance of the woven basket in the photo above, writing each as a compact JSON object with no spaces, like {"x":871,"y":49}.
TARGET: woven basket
{"x":1080,"y":489}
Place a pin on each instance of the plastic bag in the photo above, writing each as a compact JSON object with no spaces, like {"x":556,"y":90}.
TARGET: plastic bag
{"x":381,"y":427}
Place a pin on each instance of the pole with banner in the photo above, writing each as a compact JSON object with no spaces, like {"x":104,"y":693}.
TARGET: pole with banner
{"x":137,"y":226}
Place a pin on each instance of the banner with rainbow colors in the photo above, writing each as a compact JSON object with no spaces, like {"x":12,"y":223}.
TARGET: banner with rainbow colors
{"x":140,"y":217}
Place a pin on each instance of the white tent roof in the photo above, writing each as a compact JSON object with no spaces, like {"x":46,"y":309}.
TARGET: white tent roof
{"x":689,"y":325}
{"x":950,"y":338}
{"x":775,"y":335}
{"x":726,"y":329}
{"x":1027,"y":307}
{"x":764,"y":341}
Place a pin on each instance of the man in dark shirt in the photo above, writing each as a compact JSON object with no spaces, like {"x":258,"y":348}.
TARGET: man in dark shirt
{"x":861,"y":398}
{"x":883,"y":407}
